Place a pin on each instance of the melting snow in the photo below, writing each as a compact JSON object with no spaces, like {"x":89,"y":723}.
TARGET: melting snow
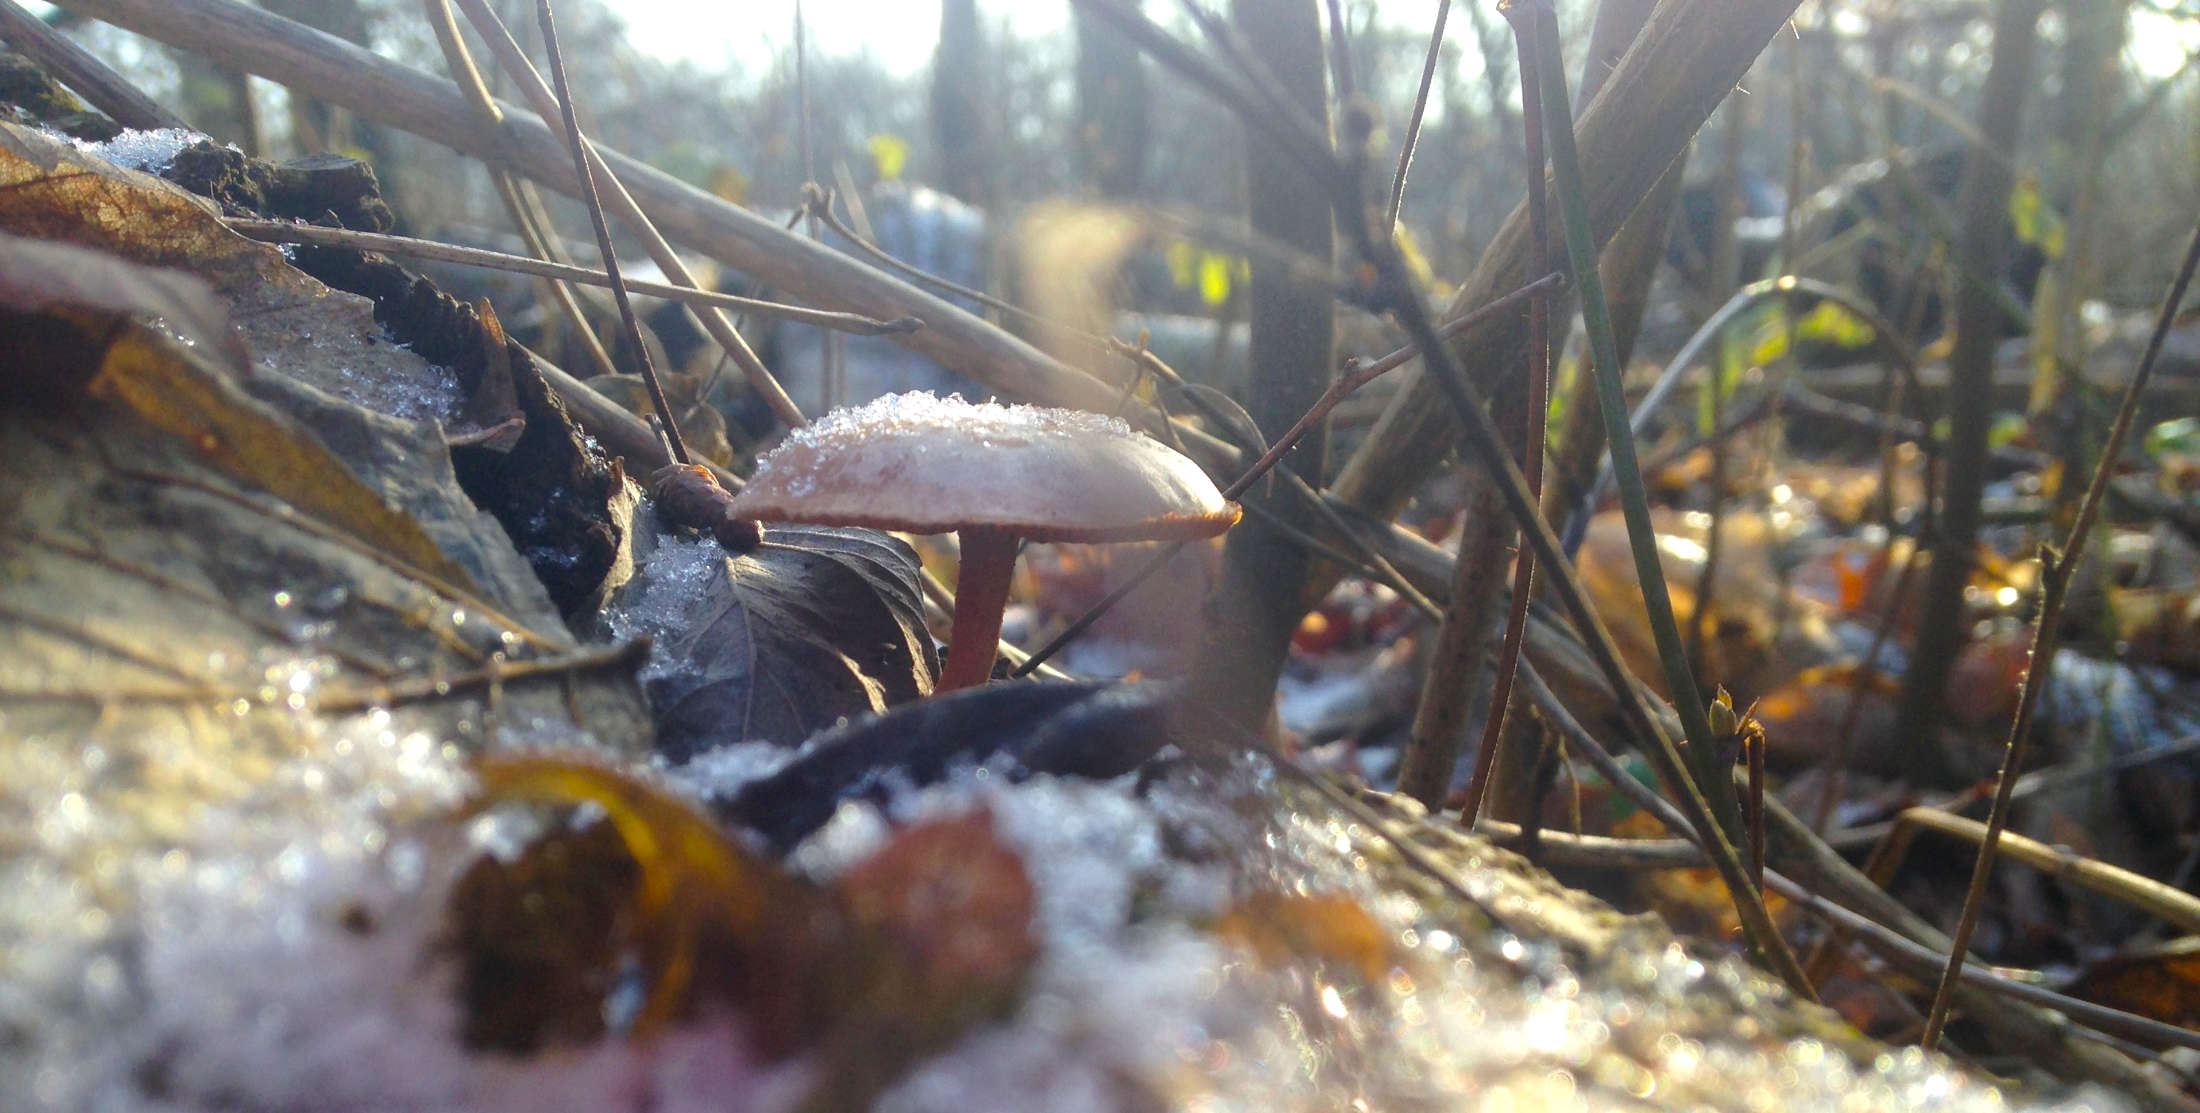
{"x":150,"y":151}
{"x":675,"y":579}
{"x":1133,"y":1000}
{"x":286,"y":955}
{"x":984,"y":421}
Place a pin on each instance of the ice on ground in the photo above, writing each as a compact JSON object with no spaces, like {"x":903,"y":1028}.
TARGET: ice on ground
{"x":288,"y":955}
{"x":1502,"y":1003}
{"x":676,"y":577}
{"x":150,"y":151}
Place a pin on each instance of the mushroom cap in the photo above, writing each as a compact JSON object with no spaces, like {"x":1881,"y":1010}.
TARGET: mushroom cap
{"x":923,"y":464}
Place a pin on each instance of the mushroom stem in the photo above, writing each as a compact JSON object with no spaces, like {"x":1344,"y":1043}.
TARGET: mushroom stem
{"x":981,"y":593}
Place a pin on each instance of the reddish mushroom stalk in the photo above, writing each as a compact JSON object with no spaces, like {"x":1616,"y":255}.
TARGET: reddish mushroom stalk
{"x":981,"y":594}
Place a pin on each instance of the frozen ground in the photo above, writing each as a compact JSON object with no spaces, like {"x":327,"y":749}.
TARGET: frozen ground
{"x":283,"y":952}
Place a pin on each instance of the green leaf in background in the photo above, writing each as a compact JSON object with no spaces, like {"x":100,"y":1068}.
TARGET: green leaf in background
{"x":1830,"y":322}
{"x":1753,"y":341}
{"x":2037,"y":223}
{"x":2180,"y":436}
{"x":889,"y":154}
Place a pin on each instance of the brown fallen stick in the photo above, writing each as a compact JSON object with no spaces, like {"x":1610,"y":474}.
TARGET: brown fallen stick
{"x":284,"y":231}
{"x":79,"y":69}
{"x":259,"y":42}
{"x":330,"y":69}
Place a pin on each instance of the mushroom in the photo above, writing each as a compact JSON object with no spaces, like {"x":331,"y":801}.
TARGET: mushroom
{"x":995,"y":475}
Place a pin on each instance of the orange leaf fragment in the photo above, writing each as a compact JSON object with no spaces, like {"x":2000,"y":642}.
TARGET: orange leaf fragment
{"x":691,"y":879}
{"x":1284,"y":928}
{"x":949,"y":892}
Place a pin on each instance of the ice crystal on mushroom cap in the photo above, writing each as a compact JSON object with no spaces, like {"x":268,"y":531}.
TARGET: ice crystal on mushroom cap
{"x":923,"y":409}
{"x":926,"y":464}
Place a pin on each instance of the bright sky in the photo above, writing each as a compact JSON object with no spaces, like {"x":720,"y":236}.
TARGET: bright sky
{"x":899,"y":33}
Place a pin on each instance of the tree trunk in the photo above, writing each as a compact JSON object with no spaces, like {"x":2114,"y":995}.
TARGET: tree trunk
{"x":1256,"y":606}
{"x":1982,"y":253}
{"x":218,"y":101}
{"x":958,"y":104}
{"x":1114,"y":109}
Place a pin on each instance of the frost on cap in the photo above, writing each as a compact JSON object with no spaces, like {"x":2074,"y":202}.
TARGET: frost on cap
{"x":923,"y":464}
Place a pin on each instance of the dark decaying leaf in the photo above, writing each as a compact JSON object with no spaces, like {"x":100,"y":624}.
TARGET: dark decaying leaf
{"x":702,"y":427}
{"x":1090,"y":729}
{"x":71,"y":287}
{"x":2161,"y":982}
{"x":166,"y":529}
{"x":552,"y":489}
{"x":51,"y":190}
{"x":541,"y":938}
{"x":815,"y":625}
{"x":54,"y":289}
{"x":537,"y":940}
{"x":492,"y":418}
{"x":907,"y":950}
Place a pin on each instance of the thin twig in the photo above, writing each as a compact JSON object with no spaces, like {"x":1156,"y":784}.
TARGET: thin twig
{"x":1413,"y":122}
{"x":1786,"y":287}
{"x":1340,"y":52}
{"x":1388,"y":287}
{"x":2056,"y":572}
{"x":81,"y":70}
{"x":1488,"y":447}
{"x":1680,"y":679}
{"x":622,"y":657}
{"x":2162,"y":901}
{"x":515,"y":63}
{"x":1561,"y":849}
{"x":1982,"y":249}
{"x":284,"y":231}
{"x":1918,"y":959}
{"x":520,"y":204}
{"x":1261,"y":107}
{"x":1367,"y":558}
{"x":1338,"y":391}
{"x":1361,"y":375}
{"x":670,"y":428}
{"x":831,"y":351}
{"x":1882,"y":938}
{"x":817,"y":202}
{"x":1753,"y":811}
{"x":1538,"y":358}
{"x":1699,"y":615}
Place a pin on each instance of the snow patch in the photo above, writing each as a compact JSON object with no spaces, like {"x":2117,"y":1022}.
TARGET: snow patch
{"x":151,"y":151}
